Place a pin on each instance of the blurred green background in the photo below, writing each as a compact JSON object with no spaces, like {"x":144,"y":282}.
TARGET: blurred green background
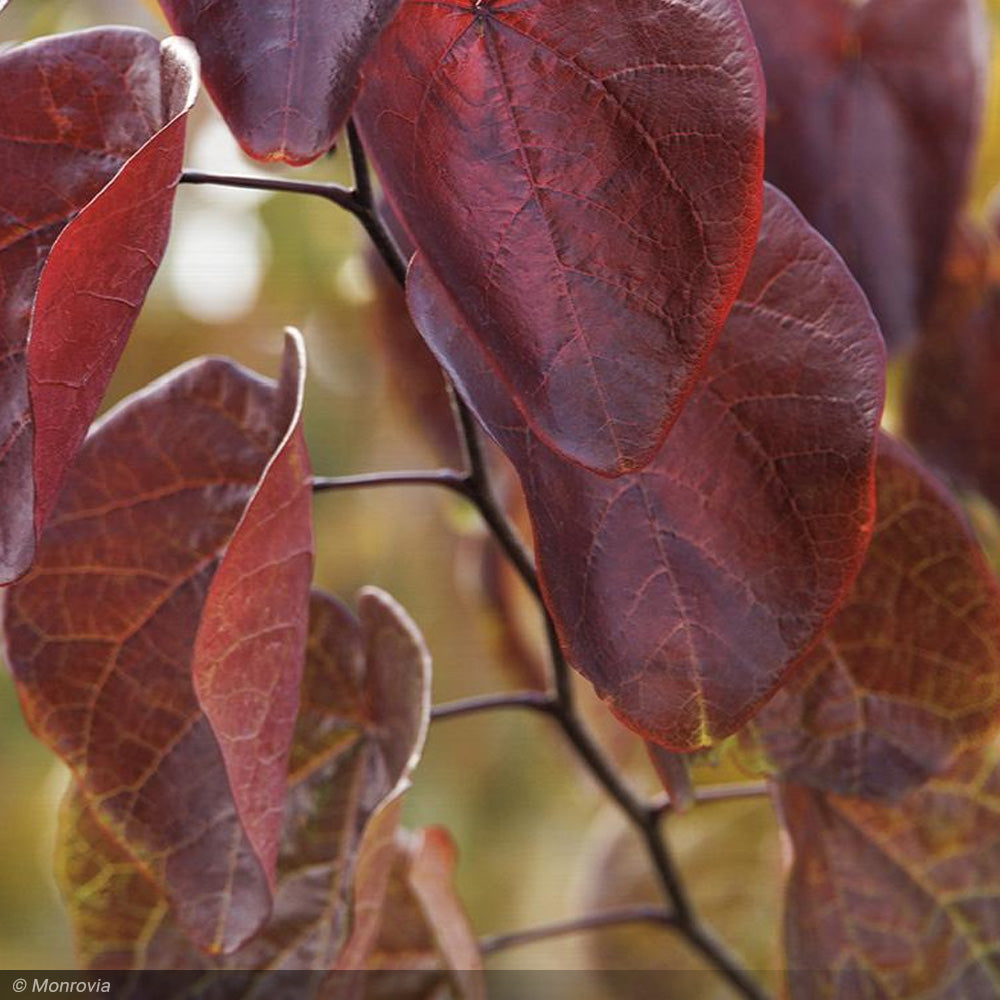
{"x":537,"y":842}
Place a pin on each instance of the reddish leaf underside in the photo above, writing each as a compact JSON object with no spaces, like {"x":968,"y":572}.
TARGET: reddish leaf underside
{"x":101,"y":635}
{"x":951,"y":405}
{"x":284,"y":75}
{"x":873,"y":114}
{"x":908,"y":673}
{"x":91,"y":140}
{"x":686,"y":592}
{"x":361,"y":727}
{"x":589,"y":197}
{"x":897,"y":900}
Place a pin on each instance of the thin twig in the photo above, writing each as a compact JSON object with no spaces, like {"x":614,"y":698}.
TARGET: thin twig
{"x":727,"y":792}
{"x":539,"y":701}
{"x":591,"y":922}
{"x":447,"y":478}
{"x":331,"y":192}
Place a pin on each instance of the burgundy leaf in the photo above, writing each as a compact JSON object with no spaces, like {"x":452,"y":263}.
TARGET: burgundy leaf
{"x":908,"y":673}
{"x":91,"y":140}
{"x":103,"y":635}
{"x":284,"y":75}
{"x":873,"y":114}
{"x":360,"y":731}
{"x":583,"y":178}
{"x":686,"y":592}
{"x":896,"y":901}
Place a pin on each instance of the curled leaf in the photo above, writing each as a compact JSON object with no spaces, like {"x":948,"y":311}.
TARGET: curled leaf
{"x":908,"y":673}
{"x":103,"y":635}
{"x":589,"y":199}
{"x":284,"y":75}
{"x":91,"y":142}
{"x":874,"y":110}
{"x":687,"y":592}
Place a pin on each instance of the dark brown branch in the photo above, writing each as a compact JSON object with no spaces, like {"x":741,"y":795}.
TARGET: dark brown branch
{"x":727,"y":792}
{"x":447,"y":478}
{"x":591,"y":922}
{"x":476,"y":485}
{"x":536,"y":700}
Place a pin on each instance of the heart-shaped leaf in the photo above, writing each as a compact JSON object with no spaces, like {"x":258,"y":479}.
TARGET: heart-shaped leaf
{"x":152,"y":533}
{"x":363,"y":720}
{"x":873,"y":114}
{"x":687,"y":592}
{"x":92,"y":130}
{"x":908,"y":673}
{"x":284,"y":75}
{"x":897,"y":900}
{"x":589,"y":197}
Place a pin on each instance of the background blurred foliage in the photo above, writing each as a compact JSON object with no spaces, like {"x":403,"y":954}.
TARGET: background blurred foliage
{"x":537,"y":843}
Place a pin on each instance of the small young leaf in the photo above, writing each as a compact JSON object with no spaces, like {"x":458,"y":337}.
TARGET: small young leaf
{"x":424,"y":932}
{"x":589,"y":198}
{"x":413,"y":372}
{"x":909,"y":671}
{"x":686,"y":592}
{"x":900,"y":900}
{"x":360,"y":730}
{"x":873,"y":114}
{"x":92,"y":130}
{"x":103,"y":635}
{"x":284,"y":75}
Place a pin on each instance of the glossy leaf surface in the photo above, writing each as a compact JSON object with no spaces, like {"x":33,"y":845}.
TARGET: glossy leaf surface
{"x":873,"y":114}
{"x":897,"y":901}
{"x":284,"y":75}
{"x":686,"y":592}
{"x":103,"y":635}
{"x":100,"y":116}
{"x":365,"y":705}
{"x":589,"y":198}
{"x":951,"y":406}
{"x":909,"y":671}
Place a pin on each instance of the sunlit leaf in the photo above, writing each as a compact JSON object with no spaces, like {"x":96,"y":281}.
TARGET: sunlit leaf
{"x":685,"y":593}
{"x":365,"y":706}
{"x":909,"y":671}
{"x":92,"y":132}
{"x":897,"y":901}
{"x":103,"y":635}
{"x":284,"y":75}
{"x":589,"y":198}
{"x":873,"y":114}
